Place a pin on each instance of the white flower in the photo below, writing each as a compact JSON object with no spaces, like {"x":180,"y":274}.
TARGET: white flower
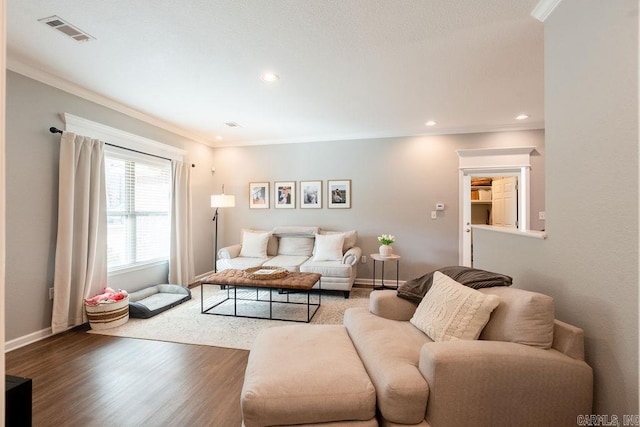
{"x":386,"y":239}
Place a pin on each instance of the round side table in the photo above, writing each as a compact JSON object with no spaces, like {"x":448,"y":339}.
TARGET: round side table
{"x":384,"y":259}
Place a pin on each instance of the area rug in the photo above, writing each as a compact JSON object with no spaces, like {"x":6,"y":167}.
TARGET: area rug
{"x":186,"y":324}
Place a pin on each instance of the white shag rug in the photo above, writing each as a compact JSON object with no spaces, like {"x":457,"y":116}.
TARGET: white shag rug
{"x":186,"y":324}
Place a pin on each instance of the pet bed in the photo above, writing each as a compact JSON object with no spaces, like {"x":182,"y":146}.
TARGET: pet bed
{"x":155,"y":299}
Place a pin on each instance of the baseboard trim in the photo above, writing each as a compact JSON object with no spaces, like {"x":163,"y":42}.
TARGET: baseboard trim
{"x":27,"y":339}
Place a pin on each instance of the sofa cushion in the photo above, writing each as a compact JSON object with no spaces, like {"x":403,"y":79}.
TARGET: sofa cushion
{"x":390,"y":351}
{"x":522,"y":317}
{"x":290,"y":262}
{"x":451,"y":311}
{"x":254,"y":244}
{"x":327,"y":268}
{"x":292,"y":245}
{"x":294,"y":230}
{"x":350,"y":238}
{"x":272,"y":245}
{"x":306,"y":375}
{"x":328,"y":247}
{"x":240,"y":263}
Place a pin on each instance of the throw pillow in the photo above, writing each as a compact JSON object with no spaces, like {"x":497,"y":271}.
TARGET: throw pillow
{"x":272,"y":246}
{"x":297,"y":246}
{"x":451,"y":311}
{"x":328,"y":247}
{"x":414,"y":290}
{"x":254,"y":245}
{"x":350,"y":238}
{"x":523,"y":317}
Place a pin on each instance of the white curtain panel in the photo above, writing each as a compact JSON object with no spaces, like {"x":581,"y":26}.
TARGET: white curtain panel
{"x":81,"y":248}
{"x":181,"y":265}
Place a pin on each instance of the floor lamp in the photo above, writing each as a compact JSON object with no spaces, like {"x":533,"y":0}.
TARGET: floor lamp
{"x":220,"y":201}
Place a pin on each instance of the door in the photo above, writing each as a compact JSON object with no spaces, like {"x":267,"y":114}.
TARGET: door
{"x":497,"y":201}
{"x":465,"y":258}
{"x":510,"y":204}
{"x":504,"y":193}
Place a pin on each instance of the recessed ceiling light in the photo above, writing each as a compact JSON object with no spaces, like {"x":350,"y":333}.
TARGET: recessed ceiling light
{"x":218,"y":138}
{"x":269,"y":77}
{"x":430,"y":123}
{"x":522,"y":117}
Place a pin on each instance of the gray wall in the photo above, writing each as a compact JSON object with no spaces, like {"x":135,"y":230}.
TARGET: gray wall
{"x":396,"y":183}
{"x":32,"y":180}
{"x":589,"y":263}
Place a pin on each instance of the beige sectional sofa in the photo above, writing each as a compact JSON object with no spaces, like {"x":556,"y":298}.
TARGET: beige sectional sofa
{"x":516,"y":365}
{"x":526,"y":368}
{"x":333,"y":254}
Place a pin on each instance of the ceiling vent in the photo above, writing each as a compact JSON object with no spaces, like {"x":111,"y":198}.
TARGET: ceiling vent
{"x":233,"y":125}
{"x":67,"y":29}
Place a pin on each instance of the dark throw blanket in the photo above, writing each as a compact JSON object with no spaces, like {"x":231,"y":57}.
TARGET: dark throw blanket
{"x":414,"y":290}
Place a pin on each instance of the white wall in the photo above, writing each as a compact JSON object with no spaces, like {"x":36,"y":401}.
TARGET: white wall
{"x":589,"y":263}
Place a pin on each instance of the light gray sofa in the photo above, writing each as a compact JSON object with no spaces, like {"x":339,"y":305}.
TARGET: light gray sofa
{"x":526,"y":368}
{"x":303,"y":249}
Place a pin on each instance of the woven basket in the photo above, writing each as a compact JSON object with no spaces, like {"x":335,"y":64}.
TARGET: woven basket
{"x":276,"y":273}
{"x":105,"y":316}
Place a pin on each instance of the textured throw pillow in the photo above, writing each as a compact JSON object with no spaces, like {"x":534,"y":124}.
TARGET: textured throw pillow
{"x":254,"y":245}
{"x":451,"y":311}
{"x":328,"y":247}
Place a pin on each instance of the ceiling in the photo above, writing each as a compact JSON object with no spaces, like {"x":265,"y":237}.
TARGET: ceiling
{"x":348,"y":69}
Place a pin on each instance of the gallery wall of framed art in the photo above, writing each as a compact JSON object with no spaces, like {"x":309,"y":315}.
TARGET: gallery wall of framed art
{"x":301,"y":194}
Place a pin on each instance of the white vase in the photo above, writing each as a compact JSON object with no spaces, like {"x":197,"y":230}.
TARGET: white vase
{"x":386,"y":250}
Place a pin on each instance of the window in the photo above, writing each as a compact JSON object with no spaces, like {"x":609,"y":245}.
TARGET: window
{"x":138,"y":208}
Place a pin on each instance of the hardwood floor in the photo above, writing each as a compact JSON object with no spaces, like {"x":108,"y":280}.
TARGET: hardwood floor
{"x":82,"y":379}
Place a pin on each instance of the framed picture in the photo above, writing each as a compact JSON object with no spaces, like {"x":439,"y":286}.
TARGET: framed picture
{"x":284,"y":196}
{"x":339,"y":194}
{"x":259,"y":195}
{"x":310,"y":194}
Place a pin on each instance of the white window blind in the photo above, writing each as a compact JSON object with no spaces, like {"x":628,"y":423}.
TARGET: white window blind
{"x":138,"y":208}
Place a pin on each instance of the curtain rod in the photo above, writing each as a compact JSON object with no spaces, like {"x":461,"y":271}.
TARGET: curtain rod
{"x":54,"y":129}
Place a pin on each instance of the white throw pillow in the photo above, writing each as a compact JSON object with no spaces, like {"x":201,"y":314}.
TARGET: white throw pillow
{"x":328,"y":247}
{"x":272,"y":246}
{"x":254,"y":245}
{"x":451,"y":311}
{"x":350,"y":238}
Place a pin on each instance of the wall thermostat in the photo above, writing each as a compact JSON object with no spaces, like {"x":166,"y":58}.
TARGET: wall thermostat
{"x":439,"y":206}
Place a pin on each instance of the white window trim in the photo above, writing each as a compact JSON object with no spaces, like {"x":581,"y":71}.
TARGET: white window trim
{"x":81,"y":126}
{"x":126,"y":140}
{"x":138,"y":266}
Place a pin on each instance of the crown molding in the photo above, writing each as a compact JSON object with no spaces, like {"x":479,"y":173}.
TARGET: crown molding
{"x":544,"y":9}
{"x":21,"y":67}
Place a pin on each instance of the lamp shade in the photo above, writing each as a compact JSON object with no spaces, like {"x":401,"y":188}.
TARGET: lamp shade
{"x":223,"y":201}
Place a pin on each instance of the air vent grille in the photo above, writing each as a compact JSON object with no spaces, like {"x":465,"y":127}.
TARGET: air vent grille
{"x":67,"y":29}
